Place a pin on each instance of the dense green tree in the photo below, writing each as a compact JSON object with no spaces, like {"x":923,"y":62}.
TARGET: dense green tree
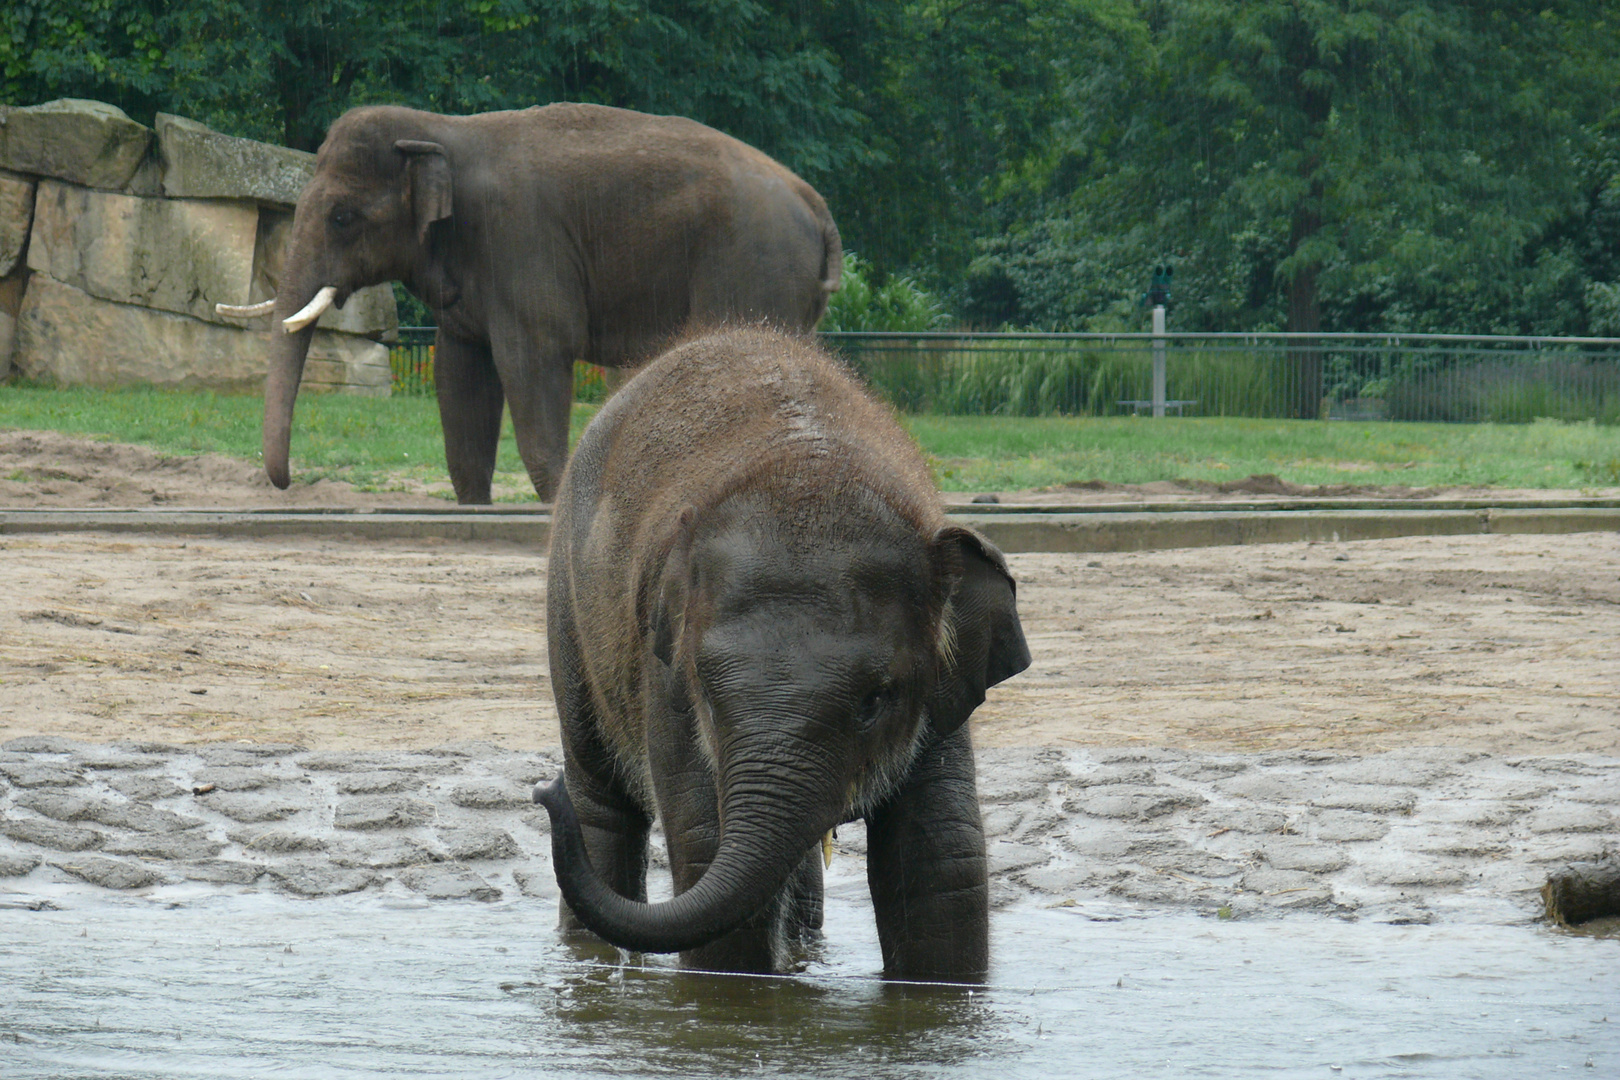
{"x":1305,"y":164}
{"x":283,"y":71}
{"x":1380,"y":164}
{"x":955,"y":96}
{"x":907,"y":115}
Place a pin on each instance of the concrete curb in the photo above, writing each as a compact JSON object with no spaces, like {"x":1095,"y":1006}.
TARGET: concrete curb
{"x":1013,"y":529}
{"x":1158,"y":531}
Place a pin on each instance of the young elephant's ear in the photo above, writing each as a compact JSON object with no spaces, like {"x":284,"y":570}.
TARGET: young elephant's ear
{"x":669,"y":605}
{"x":427,"y":176}
{"x":982,"y":642}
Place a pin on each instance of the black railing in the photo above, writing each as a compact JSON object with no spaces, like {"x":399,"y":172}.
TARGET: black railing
{"x":411,"y":358}
{"x":1445,"y":377}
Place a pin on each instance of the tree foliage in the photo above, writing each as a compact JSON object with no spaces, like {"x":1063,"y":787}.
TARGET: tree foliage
{"x":282,"y":71}
{"x":1327,"y":164}
{"x":1334,"y":164}
{"x":898,"y":303}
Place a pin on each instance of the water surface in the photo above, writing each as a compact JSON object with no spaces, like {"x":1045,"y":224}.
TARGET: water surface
{"x":255,"y":985}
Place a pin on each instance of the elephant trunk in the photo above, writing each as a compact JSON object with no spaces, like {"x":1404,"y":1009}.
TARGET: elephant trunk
{"x":291,"y":331}
{"x":764,"y":839}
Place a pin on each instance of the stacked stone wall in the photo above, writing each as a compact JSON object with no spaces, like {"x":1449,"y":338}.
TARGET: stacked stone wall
{"x":117,"y":240}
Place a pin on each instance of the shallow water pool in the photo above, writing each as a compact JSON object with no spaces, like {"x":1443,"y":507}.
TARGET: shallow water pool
{"x":256,"y":985}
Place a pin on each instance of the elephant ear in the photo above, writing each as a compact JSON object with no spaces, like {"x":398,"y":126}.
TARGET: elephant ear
{"x":982,"y":642}
{"x":669,"y":605}
{"x":427,"y":176}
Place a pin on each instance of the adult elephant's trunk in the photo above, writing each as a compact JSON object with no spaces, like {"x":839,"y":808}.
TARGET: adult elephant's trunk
{"x":291,"y":330}
{"x":765,"y":839}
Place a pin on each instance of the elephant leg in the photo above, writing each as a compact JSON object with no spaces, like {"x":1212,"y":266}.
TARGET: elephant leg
{"x":690,"y":813}
{"x":470,"y":400}
{"x":614,"y":827}
{"x":808,"y":896}
{"x":615,"y":834}
{"x":541,"y":399}
{"x":927,"y":870}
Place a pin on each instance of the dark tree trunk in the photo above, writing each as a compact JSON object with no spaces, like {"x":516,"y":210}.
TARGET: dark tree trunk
{"x":1305,"y":317}
{"x":1304,"y":312}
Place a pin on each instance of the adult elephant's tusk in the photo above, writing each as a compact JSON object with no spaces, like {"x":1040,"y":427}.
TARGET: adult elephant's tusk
{"x":250,"y":311}
{"x":312,"y":310}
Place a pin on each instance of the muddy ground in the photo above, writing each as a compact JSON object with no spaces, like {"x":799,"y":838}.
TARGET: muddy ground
{"x":1397,"y":731}
{"x":1503,"y":644}
{"x":1387,"y":729}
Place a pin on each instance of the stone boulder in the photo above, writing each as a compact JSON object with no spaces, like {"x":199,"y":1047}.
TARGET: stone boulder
{"x":370,"y":312}
{"x":201,"y":163}
{"x":179,"y":256}
{"x":8,"y":334}
{"x":16,"y":218}
{"x":346,"y":364}
{"x":68,"y":337}
{"x":11,"y":295}
{"x":82,"y":142}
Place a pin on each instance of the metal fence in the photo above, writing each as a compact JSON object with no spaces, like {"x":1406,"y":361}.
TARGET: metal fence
{"x":1433,"y":377}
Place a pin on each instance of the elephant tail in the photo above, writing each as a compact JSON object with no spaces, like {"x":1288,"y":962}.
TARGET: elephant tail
{"x":832,"y":251}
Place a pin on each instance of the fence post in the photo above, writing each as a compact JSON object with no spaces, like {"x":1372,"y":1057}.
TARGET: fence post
{"x":1158,"y":360}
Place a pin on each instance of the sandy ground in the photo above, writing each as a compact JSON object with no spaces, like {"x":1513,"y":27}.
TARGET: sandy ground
{"x":1504,"y":644}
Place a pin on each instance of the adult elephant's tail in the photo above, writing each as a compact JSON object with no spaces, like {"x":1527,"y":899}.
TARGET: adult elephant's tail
{"x":832,"y":250}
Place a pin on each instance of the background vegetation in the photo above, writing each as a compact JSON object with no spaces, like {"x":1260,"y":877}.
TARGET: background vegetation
{"x":1304,"y":164}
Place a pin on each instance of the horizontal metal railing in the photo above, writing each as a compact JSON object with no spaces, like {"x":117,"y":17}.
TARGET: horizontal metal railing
{"x":1450,"y":377}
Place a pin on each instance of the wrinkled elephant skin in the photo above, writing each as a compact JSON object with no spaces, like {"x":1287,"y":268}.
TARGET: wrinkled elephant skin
{"x":538,"y":238}
{"x":762,"y":625}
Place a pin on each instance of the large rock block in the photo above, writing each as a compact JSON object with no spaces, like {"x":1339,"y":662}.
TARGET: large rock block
{"x":11,"y":294}
{"x":68,"y":337}
{"x":8,"y":335}
{"x":176,"y":255}
{"x":370,"y":312}
{"x":16,"y":218}
{"x":346,"y":364}
{"x":200,"y":163}
{"x":83,"y":142}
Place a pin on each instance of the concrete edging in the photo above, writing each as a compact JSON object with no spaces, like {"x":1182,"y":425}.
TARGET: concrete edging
{"x":1014,"y":530}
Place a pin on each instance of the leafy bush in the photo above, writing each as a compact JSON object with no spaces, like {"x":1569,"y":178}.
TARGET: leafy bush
{"x":898,"y":304}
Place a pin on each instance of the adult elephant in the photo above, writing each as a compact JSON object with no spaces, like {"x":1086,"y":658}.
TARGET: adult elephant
{"x":541,"y":237}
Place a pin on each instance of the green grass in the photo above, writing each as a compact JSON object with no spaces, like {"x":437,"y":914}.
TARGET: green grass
{"x":377,"y":443}
{"x":374,"y":443}
{"x":992,"y":453}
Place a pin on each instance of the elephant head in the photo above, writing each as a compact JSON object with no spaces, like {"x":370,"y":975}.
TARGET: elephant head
{"x":812,"y":674}
{"x":381,"y":181}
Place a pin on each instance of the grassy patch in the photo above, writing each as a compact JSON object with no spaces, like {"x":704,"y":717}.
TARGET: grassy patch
{"x":990,"y":453}
{"x":379,"y":443}
{"x":374,"y":443}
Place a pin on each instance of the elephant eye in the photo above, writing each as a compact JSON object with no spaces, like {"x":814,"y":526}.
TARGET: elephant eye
{"x":874,"y":706}
{"x":342,"y":219}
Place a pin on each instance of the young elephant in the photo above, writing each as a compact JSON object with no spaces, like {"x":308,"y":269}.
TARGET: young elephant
{"x":762,"y":625}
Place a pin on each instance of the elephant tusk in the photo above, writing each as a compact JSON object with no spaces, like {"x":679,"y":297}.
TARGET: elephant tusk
{"x":311,"y":311}
{"x":826,"y":850}
{"x":264,"y":307}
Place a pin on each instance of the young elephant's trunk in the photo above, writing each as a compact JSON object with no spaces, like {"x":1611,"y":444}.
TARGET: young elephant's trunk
{"x":763,"y":842}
